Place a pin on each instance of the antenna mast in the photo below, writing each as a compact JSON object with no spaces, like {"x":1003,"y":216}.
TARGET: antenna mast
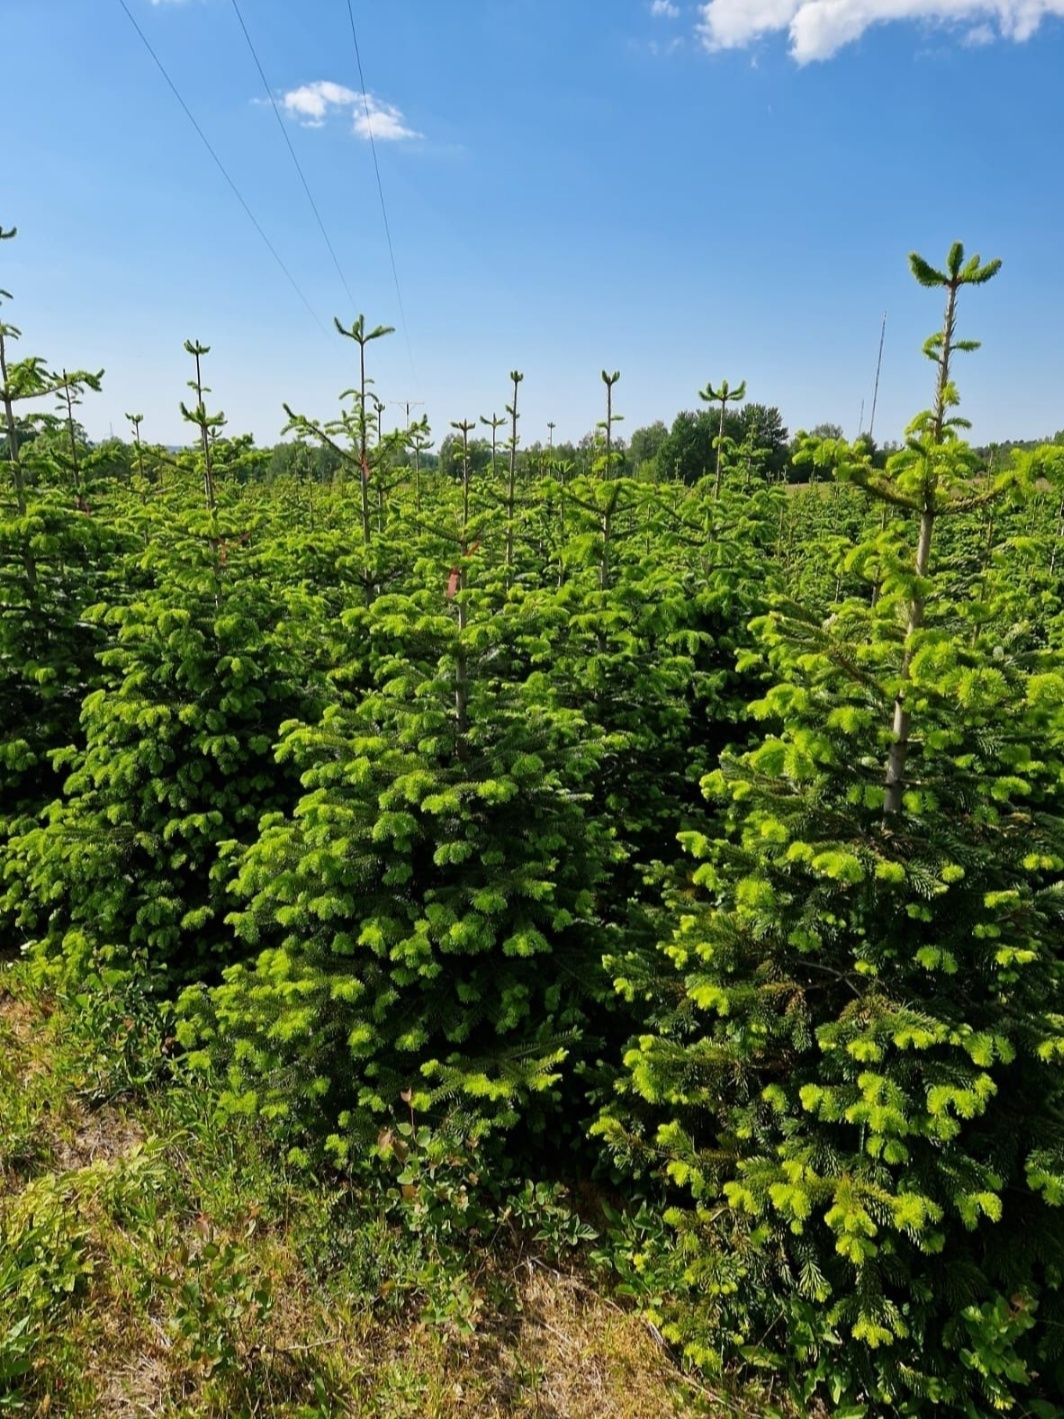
{"x":879,"y":367}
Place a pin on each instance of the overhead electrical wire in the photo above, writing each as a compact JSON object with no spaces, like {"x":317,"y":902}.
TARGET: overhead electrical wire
{"x":380,"y":184}
{"x":223,"y":169}
{"x":292,"y":153}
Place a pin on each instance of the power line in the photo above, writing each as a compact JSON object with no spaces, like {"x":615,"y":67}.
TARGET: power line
{"x":406,"y":404}
{"x":222,"y":168}
{"x":380,"y":185}
{"x":292,"y":154}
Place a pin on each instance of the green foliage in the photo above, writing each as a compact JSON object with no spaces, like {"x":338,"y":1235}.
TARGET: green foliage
{"x":394,"y":771}
{"x":53,"y":564}
{"x":857,"y":1081}
{"x":427,"y":915}
{"x":201,"y":1275}
{"x":203,"y":666}
{"x":117,"y":1035}
{"x":44,"y":1266}
{"x":216,"y":1305}
{"x":54,"y":557}
{"x":689,"y":451}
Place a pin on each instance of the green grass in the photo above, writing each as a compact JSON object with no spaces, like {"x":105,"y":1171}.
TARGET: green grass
{"x":153,"y":1262}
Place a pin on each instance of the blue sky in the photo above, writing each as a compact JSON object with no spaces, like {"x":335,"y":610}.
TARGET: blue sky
{"x":681,"y":191}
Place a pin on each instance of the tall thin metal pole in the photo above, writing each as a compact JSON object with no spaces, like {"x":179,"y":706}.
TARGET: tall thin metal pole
{"x":879,"y":368}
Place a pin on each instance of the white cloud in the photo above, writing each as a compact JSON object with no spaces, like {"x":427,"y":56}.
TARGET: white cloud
{"x":820,"y":28}
{"x":382,"y":121}
{"x":664,"y":10}
{"x":312,"y":104}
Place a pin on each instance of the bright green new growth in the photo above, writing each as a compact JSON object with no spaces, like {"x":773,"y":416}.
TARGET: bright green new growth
{"x":723,"y":396}
{"x":378,"y":759}
{"x":208,"y":424}
{"x":429,"y":910}
{"x":609,"y":380}
{"x":54,"y":558}
{"x":852,"y":1067}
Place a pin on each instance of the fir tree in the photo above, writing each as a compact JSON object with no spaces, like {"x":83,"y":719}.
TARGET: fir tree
{"x":854,"y":1069}
{"x":428,"y":916}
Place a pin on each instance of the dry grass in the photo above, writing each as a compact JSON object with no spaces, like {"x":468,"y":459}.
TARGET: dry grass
{"x":593,"y":1359}
{"x":194,"y":1293}
{"x":46,"y":1121}
{"x":567,"y":1354}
